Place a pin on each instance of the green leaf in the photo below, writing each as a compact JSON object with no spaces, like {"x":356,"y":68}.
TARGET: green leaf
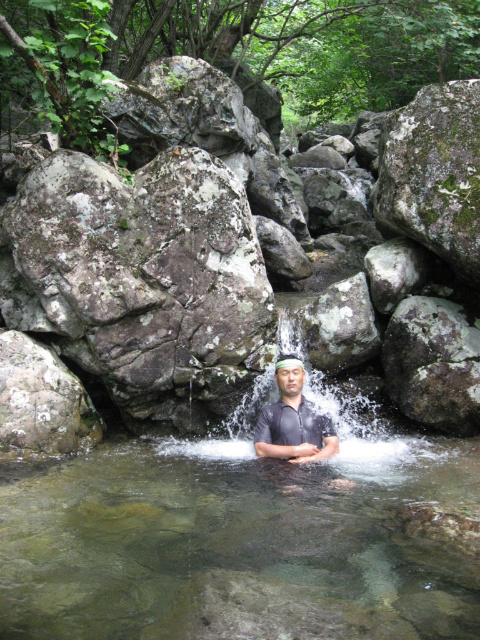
{"x":46,"y":5}
{"x":53,"y":117}
{"x":95,"y":95}
{"x":69,"y":50}
{"x":5,"y":50}
{"x":33,"y":42}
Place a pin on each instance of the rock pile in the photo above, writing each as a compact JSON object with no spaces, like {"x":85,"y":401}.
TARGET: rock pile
{"x":162,"y":290}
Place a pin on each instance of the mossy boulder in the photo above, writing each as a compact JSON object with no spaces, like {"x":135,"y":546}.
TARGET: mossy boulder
{"x":429,"y":178}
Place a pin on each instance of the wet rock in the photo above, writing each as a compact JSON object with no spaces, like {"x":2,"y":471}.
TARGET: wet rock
{"x":283,"y":254}
{"x":431,"y":361}
{"x":44,"y":408}
{"x":327,"y":192}
{"x":395,"y":269}
{"x":271,"y":195}
{"x":154,"y":282}
{"x":430,"y":174}
{"x":319,"y":157}
{"x":338,"y":326}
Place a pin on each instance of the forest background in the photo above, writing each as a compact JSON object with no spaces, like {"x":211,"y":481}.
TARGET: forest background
{"x":60,"y":59}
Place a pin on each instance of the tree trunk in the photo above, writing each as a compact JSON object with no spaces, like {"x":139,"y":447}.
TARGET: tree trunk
{"x":137,"y":60}
{"x":118,"y":21}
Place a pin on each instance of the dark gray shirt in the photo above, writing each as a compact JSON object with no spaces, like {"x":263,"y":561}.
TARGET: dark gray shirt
{"x":279,"y":423}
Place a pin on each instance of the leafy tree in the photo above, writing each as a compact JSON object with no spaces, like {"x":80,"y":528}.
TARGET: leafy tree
{"x":380,"y":59}
{"x":64,"y":53}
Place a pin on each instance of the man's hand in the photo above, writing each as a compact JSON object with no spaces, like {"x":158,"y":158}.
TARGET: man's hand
{"x":305,"y":450}
{"x":331,"y":448}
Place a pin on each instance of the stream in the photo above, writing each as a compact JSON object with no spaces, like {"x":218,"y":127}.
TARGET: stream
{"x":154,"y":539}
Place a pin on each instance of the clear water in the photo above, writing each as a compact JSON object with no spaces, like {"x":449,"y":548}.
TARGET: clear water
{"x":154,"y":539}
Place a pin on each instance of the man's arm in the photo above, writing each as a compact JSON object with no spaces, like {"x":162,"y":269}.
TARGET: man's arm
{"x":331,"y":448}
{"x":305,"y":450}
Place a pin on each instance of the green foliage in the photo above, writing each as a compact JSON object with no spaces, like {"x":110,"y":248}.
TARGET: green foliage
{"x":70,"y":52}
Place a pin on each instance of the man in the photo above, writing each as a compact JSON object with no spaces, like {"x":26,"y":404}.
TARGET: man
{"x":290,"y":428}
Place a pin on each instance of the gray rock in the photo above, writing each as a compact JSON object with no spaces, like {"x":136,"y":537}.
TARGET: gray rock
{"x":297,"y":187}
{"x":283,"y":254}
{"x":395,"y":269}
{"x":431,"y":361}
{"x":340,"y":144}
{"x":345,"y":212}
{"x":261,"y":99}
{"x":242,"y":166}
{"x":335,"y":257}
{"x":44,"y":408}
{"x":327,"y":191}
{"x":322,"y":194}
{"x":271,"y":195}
{"x":367,"y":147}
{"x":15,"y":165}
{"x":157,"y":282}
{"x":430,"y":174}
{"x":182,"y":101}
{"x":338,"y":326}
{"x":310,"y":139}
{"x":320,"y":157}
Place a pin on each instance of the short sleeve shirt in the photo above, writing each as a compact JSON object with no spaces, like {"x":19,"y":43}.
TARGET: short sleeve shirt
{"x":279,"y":423}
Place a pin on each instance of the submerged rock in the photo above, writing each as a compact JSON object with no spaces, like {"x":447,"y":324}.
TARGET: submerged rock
{"x":44,"y":408}
{"x":431,"y":361}
{"x":429,"y":180}
{"x":147,"y":285}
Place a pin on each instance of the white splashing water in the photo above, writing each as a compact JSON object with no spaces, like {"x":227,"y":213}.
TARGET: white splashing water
{"x":368,"y":452}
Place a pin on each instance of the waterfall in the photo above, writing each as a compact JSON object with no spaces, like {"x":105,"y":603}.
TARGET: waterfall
{"x":370,"y":448}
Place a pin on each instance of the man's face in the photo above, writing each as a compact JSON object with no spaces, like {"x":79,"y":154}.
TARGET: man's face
{"x":290,"y":381}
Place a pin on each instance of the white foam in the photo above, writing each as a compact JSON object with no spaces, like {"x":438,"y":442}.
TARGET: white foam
{"x":208,"y":449}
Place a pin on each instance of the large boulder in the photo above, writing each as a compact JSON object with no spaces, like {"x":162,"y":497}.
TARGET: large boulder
{"x":340,"y":144}
{"x":152,"y":287}
{"x":319,"y":157}
{"x":44,"y":408}
{"x":431,"y":359}
{"x":335,"y":198}
{"x":271,"y":195}
{"x":262,"y":100}
{"x":396,"y":269}
{"x":283,"y":254}
{"x":429,"y":181}
{"x":182,"y":101}
{"x":338,"y":327}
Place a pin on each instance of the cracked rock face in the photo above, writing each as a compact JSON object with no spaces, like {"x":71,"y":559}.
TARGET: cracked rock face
{"x":148,"y":286}
{"x":429,"y":178}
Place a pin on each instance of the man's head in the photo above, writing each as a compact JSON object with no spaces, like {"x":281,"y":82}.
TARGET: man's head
{"x":289,"y":375}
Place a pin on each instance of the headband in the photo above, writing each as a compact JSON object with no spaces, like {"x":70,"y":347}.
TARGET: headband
{"x":289,"y":362}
